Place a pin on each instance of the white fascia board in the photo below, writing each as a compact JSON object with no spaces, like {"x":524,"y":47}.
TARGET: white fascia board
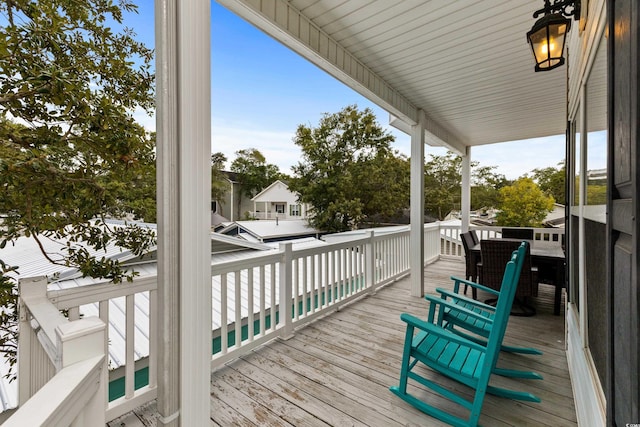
{"x":288,"y":25}
{"x":435,"y":135}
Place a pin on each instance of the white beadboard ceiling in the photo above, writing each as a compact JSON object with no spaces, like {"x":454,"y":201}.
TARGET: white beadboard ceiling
{"x":465,"y":63}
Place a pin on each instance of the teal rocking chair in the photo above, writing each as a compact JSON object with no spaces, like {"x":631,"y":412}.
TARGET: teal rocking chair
{"x":460,"y":323}
{"x":456,"y":357}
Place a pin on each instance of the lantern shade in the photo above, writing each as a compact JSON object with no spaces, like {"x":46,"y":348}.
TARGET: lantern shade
{"x":547,"y":39}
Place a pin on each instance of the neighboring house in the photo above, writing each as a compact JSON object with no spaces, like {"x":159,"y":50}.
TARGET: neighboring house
{"x":234,"y":206}
{"x":270,"y":230}
{"x":555,"y":218}
{"x":277,"y":201}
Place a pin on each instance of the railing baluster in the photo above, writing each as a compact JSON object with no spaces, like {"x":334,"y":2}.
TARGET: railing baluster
{"x":274,"y":290}
{"x":130,"y":347}
{"x":250,"y":307}
{"x":263,"y":300}
{"x":74,"y":313}
{"x":305,"y":288}
{"x":295,"y":287}
{"x":224,"y":327}
{"x":153,"y":338}
{"x":314,"y":285}
{"x":238,"y":308}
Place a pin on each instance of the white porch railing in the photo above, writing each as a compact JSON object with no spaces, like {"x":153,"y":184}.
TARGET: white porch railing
{"x":62,"y":364}
{"x":255,"y":300}
{"x":451,"y":244}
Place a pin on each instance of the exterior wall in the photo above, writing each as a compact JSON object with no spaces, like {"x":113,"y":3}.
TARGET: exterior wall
{"x":623,"y":250}
{"x":587,"y":310}
{"x":278,"y":195}
{"x":234,"y":205}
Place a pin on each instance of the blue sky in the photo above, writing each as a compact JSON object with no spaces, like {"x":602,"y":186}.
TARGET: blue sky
{"x":261,"y":92}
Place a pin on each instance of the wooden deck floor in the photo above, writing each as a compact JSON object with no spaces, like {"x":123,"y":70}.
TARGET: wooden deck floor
{"x":337,"y":371}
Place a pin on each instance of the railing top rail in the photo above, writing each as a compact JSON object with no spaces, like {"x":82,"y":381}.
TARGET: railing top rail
{"x":60,"y":400}
{"x":72,"y":297}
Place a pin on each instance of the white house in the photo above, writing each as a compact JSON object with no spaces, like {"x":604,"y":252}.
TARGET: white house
{"x":277,"y":201}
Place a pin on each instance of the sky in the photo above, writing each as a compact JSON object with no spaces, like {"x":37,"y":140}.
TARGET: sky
{"x":262,"y":91}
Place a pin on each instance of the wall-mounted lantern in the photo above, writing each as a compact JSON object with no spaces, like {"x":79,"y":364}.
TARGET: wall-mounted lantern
{"x":547,"y":36}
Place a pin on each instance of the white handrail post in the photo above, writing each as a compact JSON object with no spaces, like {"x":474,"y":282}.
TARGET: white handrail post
{"x":77,"y":341}
{"x":465,"y":208}
{"x":286,"y":295}
{"x":417,"y":207}
{"x":370,"y":261}
{"x":34,"y":287}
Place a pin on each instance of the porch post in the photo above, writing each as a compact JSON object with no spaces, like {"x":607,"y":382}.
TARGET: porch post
{"x":184,"y":181}
{"x":465,"y":200}
{"x":167,"y":214}
{"x":416,"y":258}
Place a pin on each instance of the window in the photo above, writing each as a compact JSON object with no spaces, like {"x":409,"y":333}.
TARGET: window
{"x":294,"y":210}
{"x":280,"y":208}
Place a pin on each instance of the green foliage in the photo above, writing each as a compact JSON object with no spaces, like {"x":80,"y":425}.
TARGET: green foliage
{"x":348,"y":171}
{"x":254,"y":173}
{"x":552,"y":181}
{"x":219,"y":184}
{"x":70,"y":150}
{"x":524,"y":204}
{"x":596,"y":194}
{"x":443,"y":182}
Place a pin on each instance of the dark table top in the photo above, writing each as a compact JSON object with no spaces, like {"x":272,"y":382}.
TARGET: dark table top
{"x":541,"y":251}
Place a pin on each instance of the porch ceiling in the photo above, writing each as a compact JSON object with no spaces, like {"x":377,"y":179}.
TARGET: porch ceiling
{"x":466,"y":64}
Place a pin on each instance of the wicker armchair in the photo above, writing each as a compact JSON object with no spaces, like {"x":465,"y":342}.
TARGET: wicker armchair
{"x":495,"y":253}
{"x":471,"y":272}
{"x":474,"y":236}
{"x":517,"y":233}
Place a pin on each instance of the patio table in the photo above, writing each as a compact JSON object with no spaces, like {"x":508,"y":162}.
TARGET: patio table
{"x":550,"y":261}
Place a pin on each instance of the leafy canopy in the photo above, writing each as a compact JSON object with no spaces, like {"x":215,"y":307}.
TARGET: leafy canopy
{"x":552,"y":181}
{"x":348,"y":172}
{"x":524,"y":204}
{"x":254,"y":173}
{"x":70,"y":150}
{"x":443,"y":183}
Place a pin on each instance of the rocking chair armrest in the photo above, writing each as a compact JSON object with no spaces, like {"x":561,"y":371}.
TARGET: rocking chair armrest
{"x":439,"y":331}
{"x":457,"y":281}
{"x":479,"y":304}
{"x":454,"y":307}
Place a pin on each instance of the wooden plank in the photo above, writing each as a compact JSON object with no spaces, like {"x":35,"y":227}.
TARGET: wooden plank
{"x":337,"y":370}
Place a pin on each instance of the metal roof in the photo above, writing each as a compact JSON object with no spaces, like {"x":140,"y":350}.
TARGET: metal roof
{"x":268,"y":229}
{"x":465,"y":64}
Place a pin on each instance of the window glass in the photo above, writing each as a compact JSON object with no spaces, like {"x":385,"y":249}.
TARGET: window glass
{"x":596,"y":171}
{"x":294,"y":210}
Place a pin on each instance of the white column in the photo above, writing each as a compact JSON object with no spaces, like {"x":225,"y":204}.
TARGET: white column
{"x":184,"y":181}
{"x":194,"y":112}
{"x":416,"y":259}
{"x":167,"y":213}
{"x":465,"y":201}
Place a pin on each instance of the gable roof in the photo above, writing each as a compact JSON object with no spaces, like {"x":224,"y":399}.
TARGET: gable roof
{"x":263,"y":230}
{"x":260,"y":197}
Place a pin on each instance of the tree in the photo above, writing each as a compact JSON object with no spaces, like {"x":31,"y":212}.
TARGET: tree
{"x":552,"y":181}
{"x":71,"y":149}
{"x":219,"y":183}
{"x":254,"y":173}
{"x":443,"y":183}
{"x":348,"y":171}
{"x":524,"y":204}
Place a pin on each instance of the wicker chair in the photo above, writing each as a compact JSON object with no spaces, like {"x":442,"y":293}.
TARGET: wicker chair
{"x":495,"y":253}
{"x":474,"y":236}
{"x":517,"y":233}
{"x":471,"y":271}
